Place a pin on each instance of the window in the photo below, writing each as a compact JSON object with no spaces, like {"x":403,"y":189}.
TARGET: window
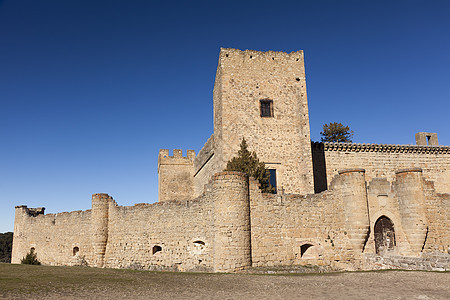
{"x":75,"y":251}
{"x":273,"y":179}
{"x":266,"y":108}
{"x":156,"y":249}
{"x":303,"y":249}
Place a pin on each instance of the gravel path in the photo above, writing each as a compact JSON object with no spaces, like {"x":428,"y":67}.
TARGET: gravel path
{"x":90,"y":283}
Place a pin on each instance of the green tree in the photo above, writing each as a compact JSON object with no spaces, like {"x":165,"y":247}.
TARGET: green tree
{"x":6,"y":240}
{"x":30,"y":259}
{"x":336,"y":132}
{"x":248,"y":162}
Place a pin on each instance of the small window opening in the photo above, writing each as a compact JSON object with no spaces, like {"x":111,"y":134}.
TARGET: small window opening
{"x":226,"y":55}
{"x":297,"y":78}
{"x":156,"y":249}
{"x":75,"y":250}
{"x":266,"y":106}
{"x":303,"y":249}
{"x":428,"y":139}
{"x":32,"y":250}
{"x":273,"y":179}
{"x":200,"y":243}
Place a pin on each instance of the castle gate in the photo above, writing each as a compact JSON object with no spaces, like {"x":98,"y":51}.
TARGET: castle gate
{"x":384,"y":235}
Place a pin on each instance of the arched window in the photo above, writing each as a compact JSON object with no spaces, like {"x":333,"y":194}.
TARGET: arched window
{"x":75,"y":250}
{"x":199,"y":243}
{"x":303,"y":249}
{"x":156,"y":249}
{"x":32,"y":250}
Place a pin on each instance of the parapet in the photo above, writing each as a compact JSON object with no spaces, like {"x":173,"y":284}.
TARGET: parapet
{"x":389,"y":148}
{"x":255,"y":55}
{"x":32,"y":212}
{"x":274,"y":62}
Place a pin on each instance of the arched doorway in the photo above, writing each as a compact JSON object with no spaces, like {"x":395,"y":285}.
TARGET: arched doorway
{"x":384,"y":235}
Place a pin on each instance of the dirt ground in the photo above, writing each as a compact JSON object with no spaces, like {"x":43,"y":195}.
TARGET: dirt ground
{"x":43,"y":282}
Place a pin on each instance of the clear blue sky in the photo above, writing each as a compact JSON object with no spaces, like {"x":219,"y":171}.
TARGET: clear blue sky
{"x":91,"y":90}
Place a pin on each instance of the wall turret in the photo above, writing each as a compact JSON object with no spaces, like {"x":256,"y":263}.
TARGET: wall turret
{"x":411,"y":201}
{"x":99,"y":223}
{"x":352,"y":186}
{"x":232,"y":240}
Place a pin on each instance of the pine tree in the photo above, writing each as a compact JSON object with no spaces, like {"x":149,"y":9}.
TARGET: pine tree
{"x":248,"y":162}
{"x":336,"y":132}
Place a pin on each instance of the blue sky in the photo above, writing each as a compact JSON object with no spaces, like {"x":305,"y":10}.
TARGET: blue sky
{"x":91,"y":90}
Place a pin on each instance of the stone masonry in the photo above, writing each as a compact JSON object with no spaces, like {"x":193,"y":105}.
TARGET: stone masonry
{"x":346,"y":206}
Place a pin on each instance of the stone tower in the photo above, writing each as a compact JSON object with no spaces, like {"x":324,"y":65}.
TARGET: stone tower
{"x":175,"y":175}
{"x":411,"y":203}
{"x":261,"y":96}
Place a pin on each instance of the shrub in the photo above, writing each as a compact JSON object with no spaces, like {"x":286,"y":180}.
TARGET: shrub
{"x":30,"y":259}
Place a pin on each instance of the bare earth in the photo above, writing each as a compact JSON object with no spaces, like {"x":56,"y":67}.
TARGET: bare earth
{"x":44,"y":282}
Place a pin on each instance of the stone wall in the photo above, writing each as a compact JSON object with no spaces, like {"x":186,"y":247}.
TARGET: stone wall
{"x":53,"y":237}
{"x":205,"y":165}
{"x":329,"y":228}
{"x":209,"y":233}
{"x":429,"y":262}
{"x":168,"y":235}
{"x":381,"y":161}
{"x":438,"y":216}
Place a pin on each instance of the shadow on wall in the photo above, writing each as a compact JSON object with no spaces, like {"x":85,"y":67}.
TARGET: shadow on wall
{"x":319,"y":167}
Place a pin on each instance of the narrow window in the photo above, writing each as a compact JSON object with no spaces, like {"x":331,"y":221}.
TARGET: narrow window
{"x":75,"y":250}
{"x":266,"y":106}
{"x":273,"y":179}
{"x":428,"y":140}
{"x":156,"y":249}
{"x":32,"y":250}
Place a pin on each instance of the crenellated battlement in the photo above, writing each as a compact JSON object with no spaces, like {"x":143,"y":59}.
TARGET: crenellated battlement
{"x":176,"y":158}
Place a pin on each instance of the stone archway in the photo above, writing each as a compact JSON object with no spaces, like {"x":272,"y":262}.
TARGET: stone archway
{"x":384,"y":235}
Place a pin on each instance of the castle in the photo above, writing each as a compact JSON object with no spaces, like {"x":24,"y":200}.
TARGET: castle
{"x":350,"y":206}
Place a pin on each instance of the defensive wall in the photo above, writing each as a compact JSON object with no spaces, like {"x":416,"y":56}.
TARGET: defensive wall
{"x":209,"y":233}
{"x":232,"y":226}
{"x":380,"y":161}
